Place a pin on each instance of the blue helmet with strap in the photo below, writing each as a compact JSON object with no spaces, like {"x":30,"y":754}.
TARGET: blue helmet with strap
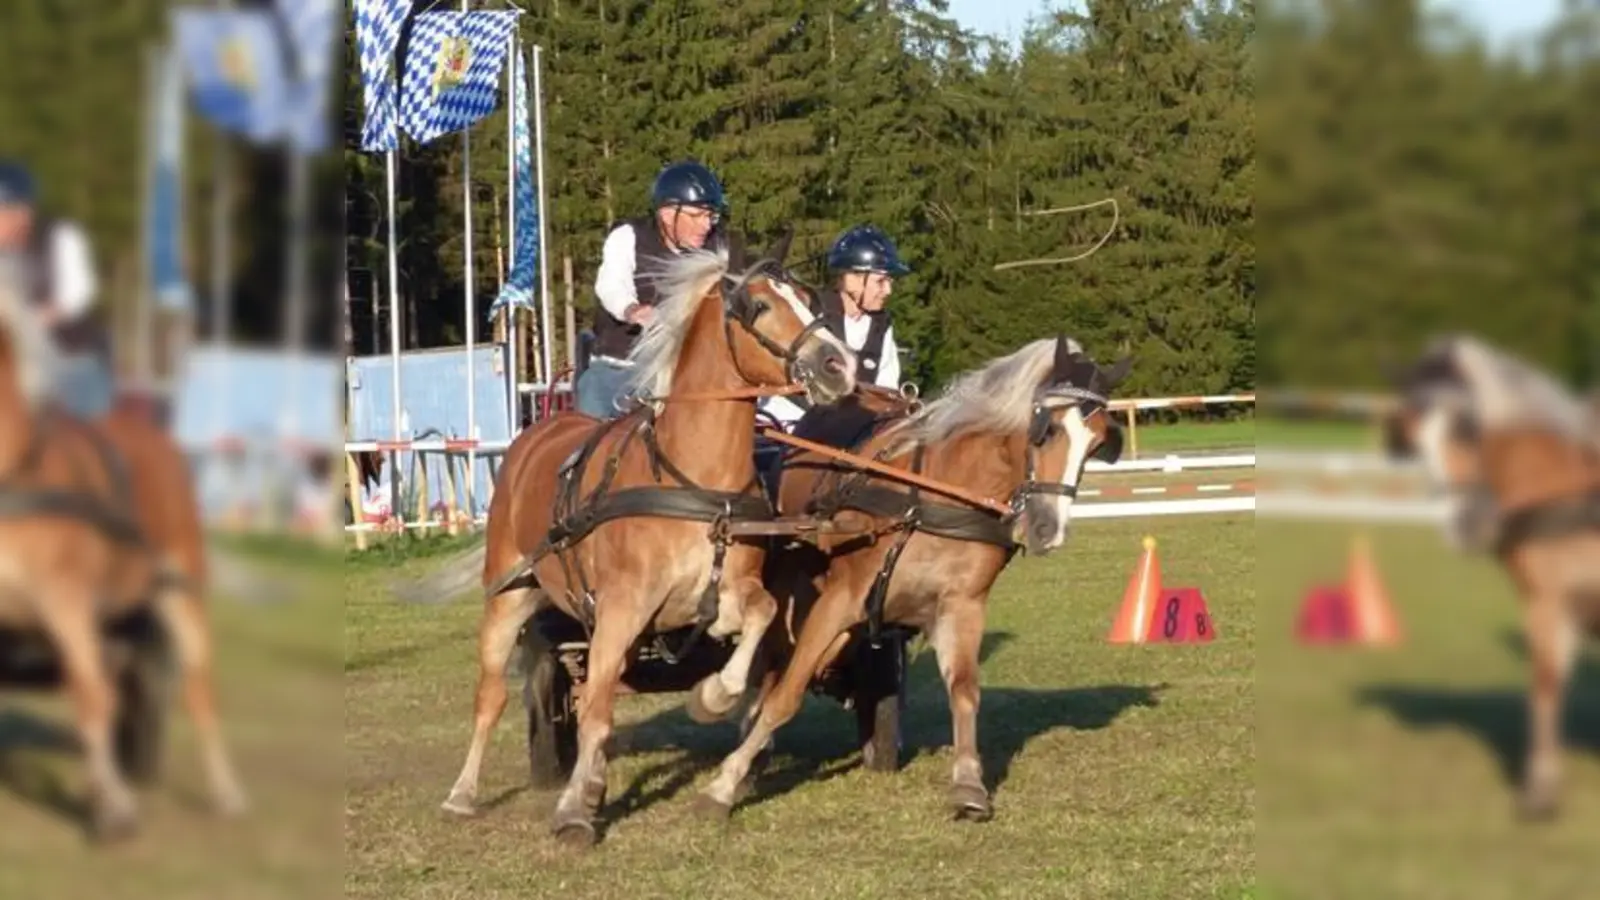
{"x":16,"y":184}
{"x":865,"y":248}
{"x":688,"y":183}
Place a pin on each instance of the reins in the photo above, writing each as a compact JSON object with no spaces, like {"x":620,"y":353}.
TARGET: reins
{"x":912,"y":478}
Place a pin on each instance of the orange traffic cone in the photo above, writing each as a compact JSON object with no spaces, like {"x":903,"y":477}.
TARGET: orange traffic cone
{"x":1375,"y":618}
{"x":1139,"y":599}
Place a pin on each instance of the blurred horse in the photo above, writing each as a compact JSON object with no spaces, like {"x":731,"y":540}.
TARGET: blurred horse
{"x":99,"y":525}
{"x":1518,"y":457}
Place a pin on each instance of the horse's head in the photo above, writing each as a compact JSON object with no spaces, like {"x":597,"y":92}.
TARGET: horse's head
{"x":774,"y":336}
{"x":1071,"y":423}
{"x":1435,"y":421}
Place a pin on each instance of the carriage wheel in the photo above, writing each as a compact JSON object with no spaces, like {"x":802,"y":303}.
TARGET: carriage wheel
{"x":143,"y":695}
{"x":552,"y":716}
{"x":879,"y":699}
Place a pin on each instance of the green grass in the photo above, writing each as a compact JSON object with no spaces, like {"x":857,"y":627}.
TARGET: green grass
{"x":1384,"y":773}
{"x":1316,"y":434}
{"x":1123,"y":772}
{"x":1189,"y":435}
{"x":278,"y":674}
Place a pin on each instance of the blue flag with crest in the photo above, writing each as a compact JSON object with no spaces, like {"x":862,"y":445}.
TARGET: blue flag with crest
{"x":452,"y":70}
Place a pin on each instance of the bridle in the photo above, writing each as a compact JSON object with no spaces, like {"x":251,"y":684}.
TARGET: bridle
{"x":739,"y":307}
{"x":1043,"y":427}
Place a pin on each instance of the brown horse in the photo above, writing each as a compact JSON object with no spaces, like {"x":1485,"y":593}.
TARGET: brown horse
{"x":100,"y":529}
{"x":1018,"y":430}
{"x":620,"y":525}
{"x":1519,"y":458}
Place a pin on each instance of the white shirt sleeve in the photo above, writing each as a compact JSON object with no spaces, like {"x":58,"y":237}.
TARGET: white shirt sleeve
{"x":889,"y":363}
{"x":75,"y":284}
{"x":613,"y":284}
{"x":784,"y":410}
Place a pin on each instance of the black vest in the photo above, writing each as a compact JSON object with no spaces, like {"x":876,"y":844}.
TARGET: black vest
{"x":871,"y":353}
{"x":612,"y":336}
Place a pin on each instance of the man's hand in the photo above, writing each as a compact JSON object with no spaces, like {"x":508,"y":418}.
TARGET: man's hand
{"x":639,"y":314}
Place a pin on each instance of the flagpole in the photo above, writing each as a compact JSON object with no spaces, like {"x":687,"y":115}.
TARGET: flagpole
{"x":156,"y":71}
{"x":509,"y":311}
{"x":544,"y":243}
{"x":394,"y":334}
{"x":472,"y":319}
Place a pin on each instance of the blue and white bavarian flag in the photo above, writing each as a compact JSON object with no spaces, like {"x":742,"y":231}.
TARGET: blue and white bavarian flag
{"x":310,"y":27}
{"x":377,"y":32}
{"x":452,"y":70}
{"x":234,"y":61}
{"x":518,"y":289}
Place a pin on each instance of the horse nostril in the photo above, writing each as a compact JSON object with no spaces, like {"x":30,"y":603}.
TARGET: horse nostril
{"x":833,"y":364}
{"x":1044,"y":531}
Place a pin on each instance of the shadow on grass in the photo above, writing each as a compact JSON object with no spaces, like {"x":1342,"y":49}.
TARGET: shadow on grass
{"x":25,"y":740}
{"x":1497,"y":716}
{"x":820,"y":744}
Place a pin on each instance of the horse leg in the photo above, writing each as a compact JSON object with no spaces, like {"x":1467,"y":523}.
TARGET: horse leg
{"x":957,"y":634}
{"x":68,"y":616}
{"x":717,"y":694}
{"x":503,"y":617}
{"x":618,"y":625}
{"x":1552,"y":638}
{"x":837,"y":608}
{"x":183,"y":612}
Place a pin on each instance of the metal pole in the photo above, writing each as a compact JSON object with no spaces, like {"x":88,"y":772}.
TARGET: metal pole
{"x":508,"y":311}
{"x":472,"y":317}
{"x":544,"y":217}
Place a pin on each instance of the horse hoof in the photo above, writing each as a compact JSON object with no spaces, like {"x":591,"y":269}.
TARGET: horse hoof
{"x":458,"y":805}
{"x":971,"y":803}
{"x":709,"y":703}
{"x":577,"y":834}
{"x":709,"y":807}
{"x":114,"y":826}
{"x":232,"y":805}
{"x":1537,"y":807}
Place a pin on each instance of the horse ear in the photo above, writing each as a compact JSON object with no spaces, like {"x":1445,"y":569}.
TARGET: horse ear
{"x":736,"y":252}
{"x":1064,"y":356}
{"x":1114,"y":375}
{"x":780,"y":250}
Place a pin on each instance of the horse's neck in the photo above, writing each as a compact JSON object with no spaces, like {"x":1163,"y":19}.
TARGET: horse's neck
{"x":18,"y":418}
{"x":985,"y":463}
{"x":1532,"y":468}
{"x":711,"y":441}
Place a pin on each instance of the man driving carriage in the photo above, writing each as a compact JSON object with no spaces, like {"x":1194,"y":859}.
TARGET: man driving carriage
{"x":687,"y":206}
{"x":49,"y":259}
{"x":863,"y":263}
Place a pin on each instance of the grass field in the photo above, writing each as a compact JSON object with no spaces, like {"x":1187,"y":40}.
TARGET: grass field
{"x":279,"y":681}
{"x":1385,"y":774}
{"x":1121,"y":772}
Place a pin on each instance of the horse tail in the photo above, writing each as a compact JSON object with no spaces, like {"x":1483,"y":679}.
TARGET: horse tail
{"x":459,"y":572}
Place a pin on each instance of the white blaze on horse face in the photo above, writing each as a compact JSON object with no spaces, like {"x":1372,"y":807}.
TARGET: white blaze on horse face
{"x":1433,"y":442}
{"x":787,"y":292}
{"x":1080,"y":438}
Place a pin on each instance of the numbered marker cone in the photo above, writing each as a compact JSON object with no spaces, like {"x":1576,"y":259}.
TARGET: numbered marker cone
{"x":1139,"y":600}
{"x":1375,"y":618}
{"x":1181,"y":617}
{"x":1326,"y":616}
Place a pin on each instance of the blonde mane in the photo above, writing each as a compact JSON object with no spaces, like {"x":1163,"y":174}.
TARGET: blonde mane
{"x":1507,"y":392}
{"x":682,"y":283}
{"x":996,"y":398}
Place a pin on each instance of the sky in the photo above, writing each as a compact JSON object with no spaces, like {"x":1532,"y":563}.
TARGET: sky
{"x":1500,"y":19}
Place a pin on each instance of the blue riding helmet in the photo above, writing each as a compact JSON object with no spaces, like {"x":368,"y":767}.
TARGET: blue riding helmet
{"x":688,"y":183}
{"x":16,"y":184}
{"x":866,"y":249}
